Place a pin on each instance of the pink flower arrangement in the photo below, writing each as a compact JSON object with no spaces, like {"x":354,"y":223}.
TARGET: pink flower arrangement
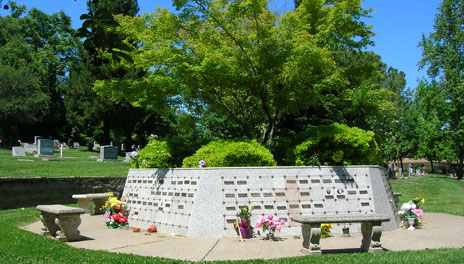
{"x":270,"y":223}
{"x":418,"y":212}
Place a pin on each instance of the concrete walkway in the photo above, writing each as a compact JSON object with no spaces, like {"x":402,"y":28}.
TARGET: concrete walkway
{"x":438,"y":231}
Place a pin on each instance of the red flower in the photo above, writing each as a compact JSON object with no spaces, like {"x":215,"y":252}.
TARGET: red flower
{"x":119,"y":218}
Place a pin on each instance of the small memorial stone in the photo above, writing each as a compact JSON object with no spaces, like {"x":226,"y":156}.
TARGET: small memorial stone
{"x":18,"y":152}
{"x":76,"y":145}
{"x":29,"y":148}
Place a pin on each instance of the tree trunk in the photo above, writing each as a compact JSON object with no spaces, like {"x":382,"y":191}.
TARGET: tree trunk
{"x":460,"y":167}
{"x":431,"y":167}
{"x":401,"y":162}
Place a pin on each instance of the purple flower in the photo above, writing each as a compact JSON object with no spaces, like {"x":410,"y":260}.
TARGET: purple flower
{"x":202,"y":163}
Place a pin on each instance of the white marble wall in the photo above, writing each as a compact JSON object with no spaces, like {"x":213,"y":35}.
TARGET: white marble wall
{"x":204,"y":202}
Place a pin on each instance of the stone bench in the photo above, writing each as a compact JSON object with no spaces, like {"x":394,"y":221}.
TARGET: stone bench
{"x":371,"y":228}
{"x":92,"y":203}
{"x":60,"y":222}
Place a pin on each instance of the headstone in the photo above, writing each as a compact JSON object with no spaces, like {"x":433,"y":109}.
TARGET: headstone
{"x":96,"y":146}
{"x":76,"y":145}
{"x":36,"y":139}
{"x":18,"y":152}
{"x":45,"y":148}
{"x":108,"y":153}
{"x":122,"y":147}
{"x":29,"y":148}
{"x":56,"y":143}
{"x":127,"y":159}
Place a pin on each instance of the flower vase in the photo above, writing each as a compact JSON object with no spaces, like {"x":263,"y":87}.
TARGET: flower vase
{"x":405,"y":223}
{"x":246,"y":232}
{"x":411,"y":222}
{"x":270,"y":236}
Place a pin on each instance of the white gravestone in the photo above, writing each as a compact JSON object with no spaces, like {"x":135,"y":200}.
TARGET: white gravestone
{"x":18,"y":152}
{"x":76,"y":145}
{"x":29,"y":148}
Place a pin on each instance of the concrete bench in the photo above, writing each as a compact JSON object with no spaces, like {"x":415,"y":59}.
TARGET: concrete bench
{"x":60,"y":222}
{"x":92,"y":203}
{"x":371,"y":228}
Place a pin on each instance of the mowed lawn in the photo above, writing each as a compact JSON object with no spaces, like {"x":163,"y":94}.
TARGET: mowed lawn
{"x":441,"y":193}
{"x":74,"y":163}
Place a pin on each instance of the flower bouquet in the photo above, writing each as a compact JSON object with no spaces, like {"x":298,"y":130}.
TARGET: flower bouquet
{"x":270,"y":224}
{"x":411,"y":213}
{"x":115,"y":214}
{"x":244,"y":226}
{"x":325,"y":229}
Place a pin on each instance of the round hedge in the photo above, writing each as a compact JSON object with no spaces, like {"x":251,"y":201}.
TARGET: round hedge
{"x":155,"y":154}
{"x":231,"y":153}
{"x":336,"y":144}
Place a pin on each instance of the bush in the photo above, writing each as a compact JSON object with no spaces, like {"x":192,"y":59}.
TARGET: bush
{"x":155,"y":154}
{"x":231,"y":153}
{"x":335,"y":144}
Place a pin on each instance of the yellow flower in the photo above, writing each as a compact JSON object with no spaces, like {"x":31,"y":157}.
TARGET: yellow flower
{"x":252,"y":207}
{"x":245,"y":210}
{"x":422,"y":201}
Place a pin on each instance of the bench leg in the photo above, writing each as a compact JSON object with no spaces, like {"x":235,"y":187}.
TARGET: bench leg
{"x":68,"y":225}
{"x":311,"y":239}
{"x":49,"y":227}
{"x":99,"y":203}
{"x":371,"y":231}
{"x":86,"y":204}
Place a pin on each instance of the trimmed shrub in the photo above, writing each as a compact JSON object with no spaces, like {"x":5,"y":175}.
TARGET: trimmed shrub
{"x":155,"y":154}
{"x":231,"y":153}
{"x":335,"y":144}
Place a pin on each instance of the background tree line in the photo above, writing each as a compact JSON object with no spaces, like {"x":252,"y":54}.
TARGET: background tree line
{"x":222,"y":70}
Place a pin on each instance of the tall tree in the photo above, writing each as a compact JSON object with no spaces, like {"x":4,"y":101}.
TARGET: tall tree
{"x":443,"y":56}
{"x":240,"y":60}
{"x":38,"y":45}
{"x":431,"y":130}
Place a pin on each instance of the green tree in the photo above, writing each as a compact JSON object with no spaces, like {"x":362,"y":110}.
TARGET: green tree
{"x":241,"y":61}
{"x":38,"y":45}
{"x":23,"y":102}
{"x":430,"y":129}
{"x":443,"y":56}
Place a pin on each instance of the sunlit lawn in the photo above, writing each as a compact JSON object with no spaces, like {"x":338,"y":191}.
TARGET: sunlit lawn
{"x":73,"y":163}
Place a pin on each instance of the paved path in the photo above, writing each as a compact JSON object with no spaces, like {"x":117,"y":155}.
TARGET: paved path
{"x":438,"y":231}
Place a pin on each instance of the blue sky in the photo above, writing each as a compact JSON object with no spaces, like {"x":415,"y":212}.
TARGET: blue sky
{"x":399,"y":25}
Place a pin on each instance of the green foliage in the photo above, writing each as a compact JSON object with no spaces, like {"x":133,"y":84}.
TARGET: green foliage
{"x":442,"y":54}
{"x":335,"y":144}
{"x":231,"y":153}
{"x":254,"y":66}
{"x":96,"y":30}
{"x":156,"y":154}
{"x":35,"y":49}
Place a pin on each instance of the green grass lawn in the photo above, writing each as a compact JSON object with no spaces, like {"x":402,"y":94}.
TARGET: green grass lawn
{"x":74,"y":163}
{"x":441,"y":194}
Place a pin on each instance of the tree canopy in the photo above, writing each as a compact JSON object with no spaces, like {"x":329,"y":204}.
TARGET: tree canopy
{"x":443,"y":57}
{"x":240,"y":60}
